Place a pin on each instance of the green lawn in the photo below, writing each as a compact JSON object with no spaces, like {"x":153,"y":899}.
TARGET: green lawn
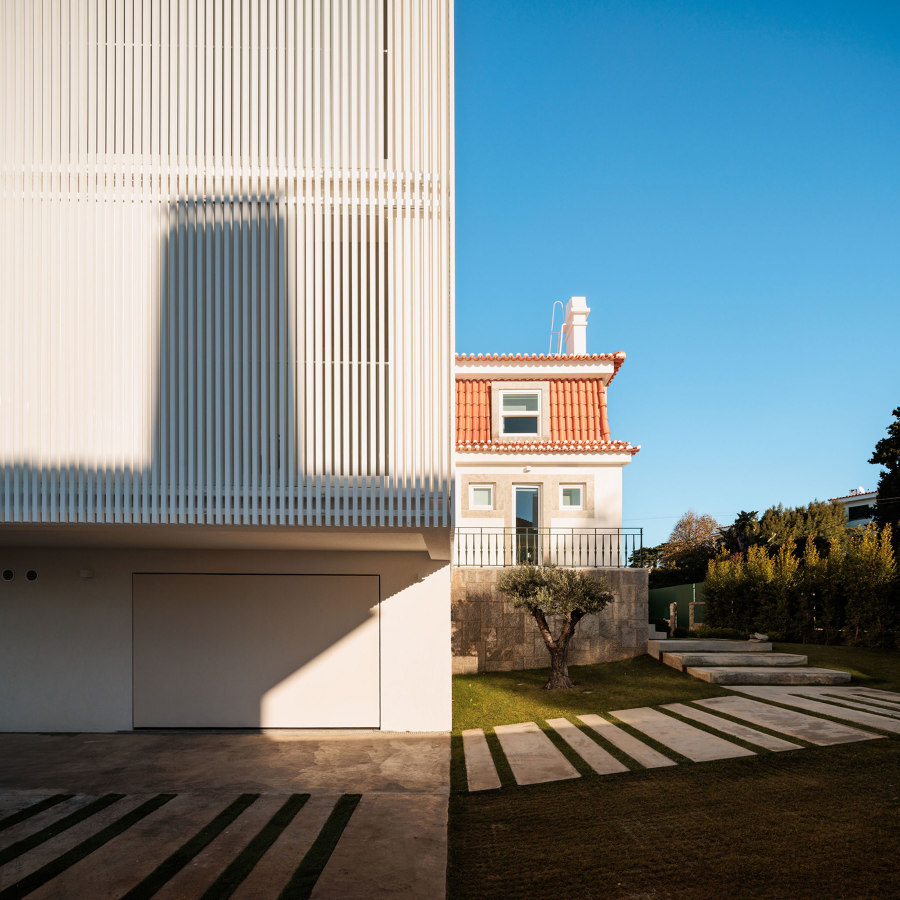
{"x":502,"y":698}
{"x":813,"y":823}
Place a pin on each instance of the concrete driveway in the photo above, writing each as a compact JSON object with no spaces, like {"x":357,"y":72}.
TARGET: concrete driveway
{"x":185,"y":815}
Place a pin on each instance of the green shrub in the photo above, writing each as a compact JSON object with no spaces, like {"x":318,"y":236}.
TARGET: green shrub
{"x":852,"y":593}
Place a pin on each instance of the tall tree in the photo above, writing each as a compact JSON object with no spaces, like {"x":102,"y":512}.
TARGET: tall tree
{"x":887,"y":454}
{"x":566,"y":593}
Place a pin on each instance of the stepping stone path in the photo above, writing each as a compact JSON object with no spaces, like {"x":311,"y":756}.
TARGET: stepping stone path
{"x":787,"y":721}
{"x":480,"y":771}
{"x":534,"y":758}
{"x":601,"y":761}
{"x":696,"y":745}
{"x":797,"y":699}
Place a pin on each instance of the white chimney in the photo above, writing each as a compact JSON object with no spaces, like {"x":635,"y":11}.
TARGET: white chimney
{"x":575,"y":327}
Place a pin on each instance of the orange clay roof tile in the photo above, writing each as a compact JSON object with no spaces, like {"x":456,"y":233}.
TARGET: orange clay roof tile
{"x":577,"y":419}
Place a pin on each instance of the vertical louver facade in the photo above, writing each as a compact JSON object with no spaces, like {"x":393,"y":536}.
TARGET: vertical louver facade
{"x":226,"y":261}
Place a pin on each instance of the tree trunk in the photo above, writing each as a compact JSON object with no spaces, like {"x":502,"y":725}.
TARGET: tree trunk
{"x":559,"y":668}
{"x":558,"y":648}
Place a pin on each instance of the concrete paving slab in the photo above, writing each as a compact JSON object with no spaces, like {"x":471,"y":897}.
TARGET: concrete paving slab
{"x":600,"y":760}
{"x":394,"y":846}
{"x":531,"y":754}
{"x":193,"y":880}
{"x":887,"y":697}
{"x":786,"y":721}
{"x":726,"y":726}
{"x":274,"y":762}
{"x":695,"y":744}
{"x":683,"y":660}
{"x":127,"y":859}
{"x":35,"y":823}
{"x":270,"y":875}
{"x":19,"y":868}
{"x":637,"y":750}
{"x":857,"y":716}
{"x":12,"y":802}
{"x":481,"y":773}
{"x":854,"y":702}
{"x":774,"y":675}
{"x":655,"y":648}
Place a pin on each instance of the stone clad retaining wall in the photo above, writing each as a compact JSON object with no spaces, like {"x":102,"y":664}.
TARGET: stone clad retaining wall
{"x":491,"y":635}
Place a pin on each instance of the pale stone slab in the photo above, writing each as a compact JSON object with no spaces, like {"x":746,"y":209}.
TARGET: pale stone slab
{"x":654,"y":648}
{"x":726,"y":726}
{"x":696,"y":745}
{"x":12,"y":802}
{"x":531,"y":754}
{"x":787,"y":721}
{"x":601,"y":761}
{"x":193,"y":880}
{"x":683,"y":660}
{"x":767,"y":675}
{"x":868,"y":704}
{"x":270,"y":875}
{"x":481,"y":773}
{"x":857,"y":716}
{"x":394,"y":846}
{"x":42,"y":819}
{"x":877,"y":693}
{"x":637,"y":750}
{"x":128,"y":858}
{"x":34,"y":859}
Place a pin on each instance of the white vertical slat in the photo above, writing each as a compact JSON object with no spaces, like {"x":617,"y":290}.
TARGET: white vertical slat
{"x":202,"y":210}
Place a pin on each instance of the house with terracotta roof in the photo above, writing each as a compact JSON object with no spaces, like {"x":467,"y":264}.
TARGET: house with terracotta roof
{"x":539,"y":480}
{"x":538,"y":472}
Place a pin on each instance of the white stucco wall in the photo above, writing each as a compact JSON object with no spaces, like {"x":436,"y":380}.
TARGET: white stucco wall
{"x":66,"y":641}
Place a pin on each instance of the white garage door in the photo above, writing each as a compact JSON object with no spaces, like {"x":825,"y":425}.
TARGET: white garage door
{"x":256,"y":651}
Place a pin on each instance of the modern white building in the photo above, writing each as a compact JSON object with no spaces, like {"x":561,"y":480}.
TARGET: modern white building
{"x":226,"y":395}
{"x":539,"y":476}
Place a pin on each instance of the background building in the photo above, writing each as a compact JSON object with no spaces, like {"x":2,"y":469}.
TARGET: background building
{"x":539,"y":480}
{"x":226,"y":395}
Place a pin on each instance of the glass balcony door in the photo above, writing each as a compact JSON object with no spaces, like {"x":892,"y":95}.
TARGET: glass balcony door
{"x":528,"y":506}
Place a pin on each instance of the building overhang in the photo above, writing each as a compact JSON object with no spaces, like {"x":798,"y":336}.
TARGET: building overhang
{"x":436,"y":542}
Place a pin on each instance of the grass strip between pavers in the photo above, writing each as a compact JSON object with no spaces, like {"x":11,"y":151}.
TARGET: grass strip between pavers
{"x":32,"y":810}
{"x":59,"y":865}
{"x":51,"y":831}
{"x":187,"y":851}
{"x":241,"y":866}
{"x":501,"y":763}
{"x":307,"y":873}
{"x":459,"y":777}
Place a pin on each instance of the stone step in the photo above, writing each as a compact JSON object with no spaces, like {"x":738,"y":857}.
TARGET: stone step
{"x":655,"y":635}
{"x":655,"y":648}
{"x":767,"y":675}
{"x":681,"y":661}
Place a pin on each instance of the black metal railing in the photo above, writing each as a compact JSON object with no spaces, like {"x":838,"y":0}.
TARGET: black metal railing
{"x":571,"y":547}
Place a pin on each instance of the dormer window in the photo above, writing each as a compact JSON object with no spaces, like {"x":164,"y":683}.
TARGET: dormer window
{"x":520,"y":413}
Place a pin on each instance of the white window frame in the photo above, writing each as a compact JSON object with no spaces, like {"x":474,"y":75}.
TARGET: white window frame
{"x":472,"y":503}
{"x":520,"y":415}
{"x":581,"y":489}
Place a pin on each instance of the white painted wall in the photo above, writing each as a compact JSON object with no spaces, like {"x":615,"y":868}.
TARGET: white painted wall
{"x":66,"y":642}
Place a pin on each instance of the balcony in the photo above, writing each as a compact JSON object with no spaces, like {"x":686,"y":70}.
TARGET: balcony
{"x":571,"y":547}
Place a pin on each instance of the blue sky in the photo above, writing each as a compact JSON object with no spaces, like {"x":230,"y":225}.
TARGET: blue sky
{"x":721,"y":180}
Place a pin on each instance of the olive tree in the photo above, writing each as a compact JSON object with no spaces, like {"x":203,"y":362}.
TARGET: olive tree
{"x":549,"y":591}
